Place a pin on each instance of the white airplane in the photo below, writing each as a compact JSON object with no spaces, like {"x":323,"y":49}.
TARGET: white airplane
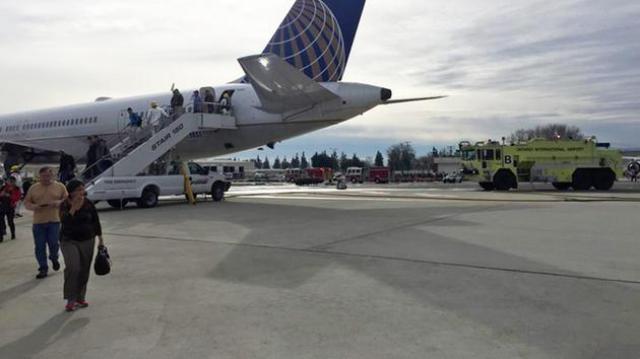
{"x":293,"y":88}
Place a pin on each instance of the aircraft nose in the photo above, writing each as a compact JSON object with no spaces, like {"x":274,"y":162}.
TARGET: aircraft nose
{"x":385,"y":94}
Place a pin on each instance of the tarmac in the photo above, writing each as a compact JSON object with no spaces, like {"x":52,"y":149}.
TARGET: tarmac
{"x":389,"y":271}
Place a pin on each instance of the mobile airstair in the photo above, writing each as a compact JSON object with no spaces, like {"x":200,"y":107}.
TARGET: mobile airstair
{"x":128,"y":157}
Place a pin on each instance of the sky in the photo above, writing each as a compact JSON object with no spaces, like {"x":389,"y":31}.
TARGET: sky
{"x":504,"y":64}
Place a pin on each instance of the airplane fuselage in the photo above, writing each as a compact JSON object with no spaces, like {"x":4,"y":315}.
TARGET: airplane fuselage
{"x":66,"y":128}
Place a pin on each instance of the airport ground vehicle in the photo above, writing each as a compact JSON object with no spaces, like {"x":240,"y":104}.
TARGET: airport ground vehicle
{"x":379,"y":174}
{"x":355,"y":174}
{"x":315,"y":176}
{"x":454,"y":177}
{"x":577,"y":164}
{"x":145,"y":190}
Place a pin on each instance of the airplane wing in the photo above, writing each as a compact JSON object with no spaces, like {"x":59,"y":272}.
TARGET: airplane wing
{"x":280,"y":86}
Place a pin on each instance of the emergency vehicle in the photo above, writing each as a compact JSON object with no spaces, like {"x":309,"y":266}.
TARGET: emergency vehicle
{"x":577,"y":164}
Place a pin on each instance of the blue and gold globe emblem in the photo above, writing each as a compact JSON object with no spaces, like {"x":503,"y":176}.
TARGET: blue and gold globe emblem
{"x":311,"y":40}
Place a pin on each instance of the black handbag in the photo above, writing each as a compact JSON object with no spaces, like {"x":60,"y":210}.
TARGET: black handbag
{"x":102,"y":265}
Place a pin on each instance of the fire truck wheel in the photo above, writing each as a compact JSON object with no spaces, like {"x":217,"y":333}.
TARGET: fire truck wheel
{"x":354,"y":180}
{"x":487,"y":186}
{"x":603,"y":179}
{"x":503,"y":181}
{"x":582,"y":180}
{"x":561,"y":186}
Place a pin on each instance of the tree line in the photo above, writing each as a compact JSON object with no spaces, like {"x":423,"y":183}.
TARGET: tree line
{"x":402,"y":156}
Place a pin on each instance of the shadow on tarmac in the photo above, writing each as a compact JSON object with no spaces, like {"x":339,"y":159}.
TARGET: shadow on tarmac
{"x":56,"y":328}
{"x":16,"y":291}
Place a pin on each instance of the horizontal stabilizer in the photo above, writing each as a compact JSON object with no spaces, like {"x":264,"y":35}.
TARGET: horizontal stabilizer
{"x":391,"y":102}
{"x":280,"y":86}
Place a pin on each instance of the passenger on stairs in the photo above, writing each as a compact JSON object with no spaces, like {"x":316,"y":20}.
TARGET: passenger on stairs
{"x":209,"y":99}
{"x":177,"y":103}
{"x":197,"y":102}
{"x":135,"y":122}
{"x":153,"y":117}
{"x":225,"y":103}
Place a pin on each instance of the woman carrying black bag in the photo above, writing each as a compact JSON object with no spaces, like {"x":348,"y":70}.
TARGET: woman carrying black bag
{"x":80,"y":226}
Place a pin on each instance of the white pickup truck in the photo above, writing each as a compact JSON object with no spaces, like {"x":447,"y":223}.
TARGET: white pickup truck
{"x":144,"y":190}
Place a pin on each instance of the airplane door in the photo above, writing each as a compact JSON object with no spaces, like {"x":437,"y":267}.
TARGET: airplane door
{"x":206,"y":107}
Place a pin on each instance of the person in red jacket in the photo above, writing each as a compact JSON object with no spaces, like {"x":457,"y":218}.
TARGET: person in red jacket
{"x":9,"y":197}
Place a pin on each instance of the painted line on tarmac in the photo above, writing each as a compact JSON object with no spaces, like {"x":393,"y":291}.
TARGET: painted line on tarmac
{"x":389,"y":258}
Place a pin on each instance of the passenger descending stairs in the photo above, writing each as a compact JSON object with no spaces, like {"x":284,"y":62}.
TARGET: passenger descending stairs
{"x":130,"y":161}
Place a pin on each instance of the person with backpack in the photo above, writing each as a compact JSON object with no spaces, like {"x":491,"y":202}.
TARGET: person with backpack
{"x":10,"y":195}
{"x":80,"y":227}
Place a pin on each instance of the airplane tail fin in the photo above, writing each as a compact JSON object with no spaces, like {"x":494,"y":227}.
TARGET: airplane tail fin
{"x":316,"y":37}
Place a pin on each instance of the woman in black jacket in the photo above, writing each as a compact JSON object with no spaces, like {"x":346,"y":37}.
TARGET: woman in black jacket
{"x":80,"y":227}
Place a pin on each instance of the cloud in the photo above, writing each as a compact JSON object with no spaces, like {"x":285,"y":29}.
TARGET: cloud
{"x":505,"y":64}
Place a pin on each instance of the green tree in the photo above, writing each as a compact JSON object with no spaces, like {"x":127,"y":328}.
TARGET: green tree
{"x":276,"y":164}
{"x":265,"y":164}
{"x":303,"y":162}
{"x":401,"y":157}
{"x":552,"y":131}
{"x":379,"y":161}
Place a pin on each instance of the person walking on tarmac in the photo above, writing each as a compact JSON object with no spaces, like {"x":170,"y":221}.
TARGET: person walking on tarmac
{"x":9,"y":197}
{"x":80,"y":227}
{"x":44,"y":199}
{"x":154,"y":116}
{"x":67,"y":167}
{"x":15,"y":173}
{"x":92,"y":157}
{"x":177,"y":103}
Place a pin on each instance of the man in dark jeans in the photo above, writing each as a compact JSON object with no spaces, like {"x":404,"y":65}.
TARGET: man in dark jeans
{"x":44,"y":199}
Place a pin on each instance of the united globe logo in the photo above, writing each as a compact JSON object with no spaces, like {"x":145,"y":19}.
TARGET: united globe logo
{"x":310,"y":39}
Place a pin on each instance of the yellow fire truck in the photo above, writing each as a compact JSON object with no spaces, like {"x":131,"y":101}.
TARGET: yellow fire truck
{"x":577,"y":164}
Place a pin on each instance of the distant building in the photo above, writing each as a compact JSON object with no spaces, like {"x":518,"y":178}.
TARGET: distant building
{"x":446,"y":164}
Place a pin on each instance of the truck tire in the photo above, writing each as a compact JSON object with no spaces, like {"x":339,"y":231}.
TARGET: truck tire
{"x":603,"y":179}
{"x":149,"y":198}
{"x":582,"y":180}
{"x":354,"y":180}
{"x":117,"y":204}
{"x":561,"y":186}
{"x":487,"y":186}
{"x":504,"y":180}
{"x":217,"y":192}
